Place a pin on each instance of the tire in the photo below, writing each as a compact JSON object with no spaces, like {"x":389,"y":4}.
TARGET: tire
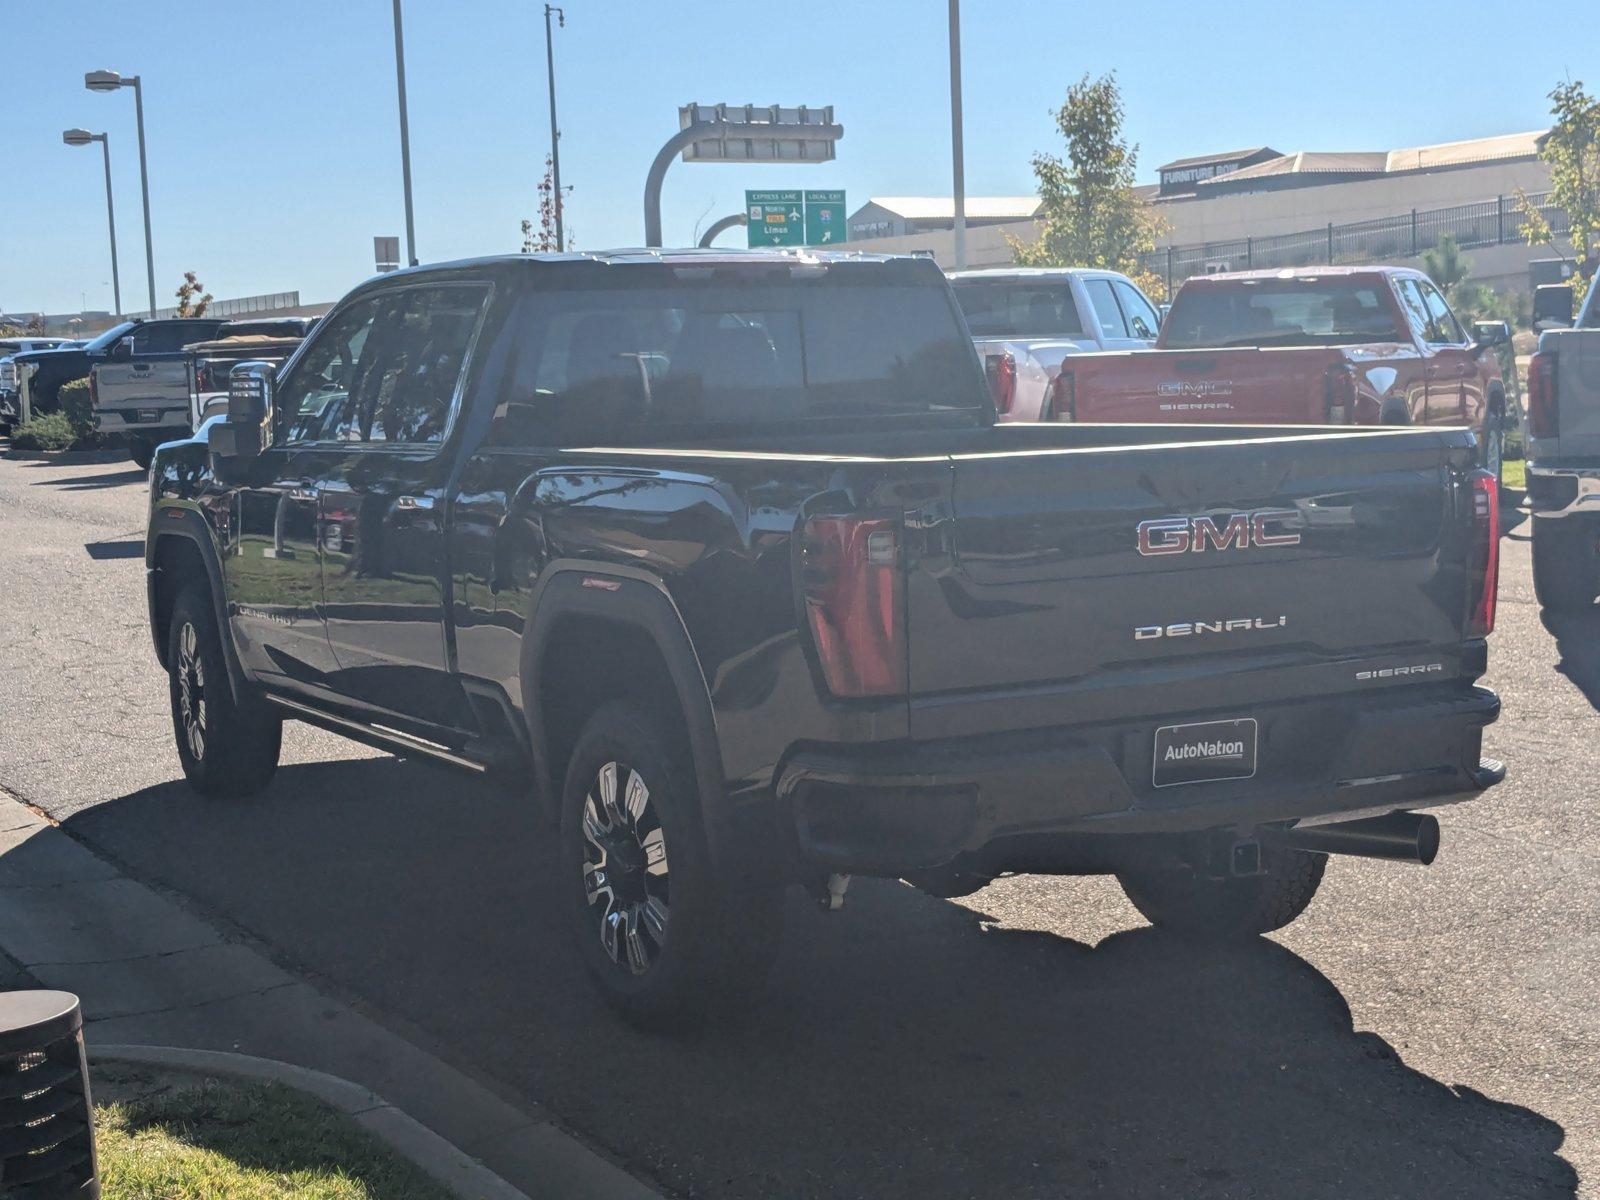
{"x":1566,"y":571}
{"x":1189,"y":904}
{"x":666,"y":943}
{"x":226,"y":748}
{"x":141,"y":451}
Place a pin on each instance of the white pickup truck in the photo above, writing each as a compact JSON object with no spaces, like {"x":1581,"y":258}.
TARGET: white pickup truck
{"x":1564,"y":455}
{"x":1024,"y":320}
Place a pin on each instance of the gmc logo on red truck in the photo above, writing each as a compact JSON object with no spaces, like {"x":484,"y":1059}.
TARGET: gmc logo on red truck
{"x":1238,"y":531}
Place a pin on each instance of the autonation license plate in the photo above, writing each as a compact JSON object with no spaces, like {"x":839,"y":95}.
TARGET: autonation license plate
{"x":1207,"y":751}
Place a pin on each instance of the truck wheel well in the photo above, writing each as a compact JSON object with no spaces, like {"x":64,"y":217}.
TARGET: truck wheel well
{"x":177,"y":563}
{"x":590,"y":661}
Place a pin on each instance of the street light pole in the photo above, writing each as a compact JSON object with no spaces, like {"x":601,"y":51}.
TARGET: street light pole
{"x":110,"y":81}
{"x":555,"y":136}
{"x":957,"y":164}
{"x":405,"y":134}
{"x":82,"y":137}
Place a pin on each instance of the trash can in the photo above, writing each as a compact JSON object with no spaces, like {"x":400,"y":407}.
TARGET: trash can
{"x":46,"y":1116}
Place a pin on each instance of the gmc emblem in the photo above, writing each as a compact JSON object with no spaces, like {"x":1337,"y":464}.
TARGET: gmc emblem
{"x":1203,"y":387}
{"x":1238,"y":531}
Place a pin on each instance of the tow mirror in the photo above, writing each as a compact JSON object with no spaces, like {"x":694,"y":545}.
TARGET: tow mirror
{"x":121,"y":351}
{"x":1552,"y":306}
{"x":248,"y":429}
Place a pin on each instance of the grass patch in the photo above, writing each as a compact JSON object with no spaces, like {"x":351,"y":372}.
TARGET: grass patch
{"x":1515,"y":473}
{"x":177,"y":1136}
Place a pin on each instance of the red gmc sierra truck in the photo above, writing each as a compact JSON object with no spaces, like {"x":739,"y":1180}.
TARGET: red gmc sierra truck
{"x":1310,"y":345}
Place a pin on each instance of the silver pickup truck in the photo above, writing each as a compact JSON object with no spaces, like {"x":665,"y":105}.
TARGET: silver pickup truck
{"x":1564,"y":452}
{"x":140,"y":388}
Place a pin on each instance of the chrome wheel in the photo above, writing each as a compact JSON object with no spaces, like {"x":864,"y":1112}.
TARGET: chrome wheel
{"x":625,"y":867}
{"x":192,"y":691}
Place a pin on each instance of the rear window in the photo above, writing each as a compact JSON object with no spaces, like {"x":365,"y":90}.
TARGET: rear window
{"x":1311,"y":312}
{"x":1008,"y":308}
{"x":695,"y":348}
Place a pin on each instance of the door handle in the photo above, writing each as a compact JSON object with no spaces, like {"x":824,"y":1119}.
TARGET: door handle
{"x":413,"y":503}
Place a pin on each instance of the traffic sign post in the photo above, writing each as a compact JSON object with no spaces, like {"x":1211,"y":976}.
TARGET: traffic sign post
{"x":824,"y":218}
{"x":776,"y":218}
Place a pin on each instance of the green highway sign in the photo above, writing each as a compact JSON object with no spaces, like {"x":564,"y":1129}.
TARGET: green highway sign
{"x":794,"y":218}
{"x":776,"y":218}
{"x":824,"y":218}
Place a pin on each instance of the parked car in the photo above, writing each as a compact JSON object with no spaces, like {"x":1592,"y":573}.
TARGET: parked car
{"x":1564,"y":458}
{"x":42,"y":373}
{"x":1312,"y":345}
{"x":10,"y":386}
{"x":139,"y":384}
{"x":728,"y":555}
{"x":207,"y":363}
{"x":1024,"y":320}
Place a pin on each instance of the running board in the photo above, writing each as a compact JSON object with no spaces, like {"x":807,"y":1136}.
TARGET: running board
{"x":379,"y":736}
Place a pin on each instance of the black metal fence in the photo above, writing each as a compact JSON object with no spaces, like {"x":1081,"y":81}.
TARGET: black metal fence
{"x":1406,"y":235}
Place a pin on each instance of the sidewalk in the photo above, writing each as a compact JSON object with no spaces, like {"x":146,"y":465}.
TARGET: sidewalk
{"x":151,"y":974}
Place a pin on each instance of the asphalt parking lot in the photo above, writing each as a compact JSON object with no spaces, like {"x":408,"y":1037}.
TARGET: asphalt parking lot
{"x":1418,"y":1033}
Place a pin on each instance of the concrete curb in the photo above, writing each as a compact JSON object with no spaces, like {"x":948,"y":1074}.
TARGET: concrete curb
{"x":410,"y":1139}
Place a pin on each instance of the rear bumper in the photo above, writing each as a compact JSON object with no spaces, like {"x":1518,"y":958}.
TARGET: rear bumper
{"x":899,"y":808}
{"x":1559,"y":491}
{"x":152,"y":418}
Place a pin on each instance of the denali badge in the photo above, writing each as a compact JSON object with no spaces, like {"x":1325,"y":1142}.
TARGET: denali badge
{"x":1204,"y":387}
{"x":1178,"y":535}
{"x":1143,"y":633}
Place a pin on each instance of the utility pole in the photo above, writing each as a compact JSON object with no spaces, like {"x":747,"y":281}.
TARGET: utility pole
{"x":405,"y":134}
{"x":555,"y":135}
{"x":957,"y":164}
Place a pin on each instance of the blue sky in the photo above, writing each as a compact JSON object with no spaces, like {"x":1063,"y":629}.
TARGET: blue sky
{"x":274,"y":150}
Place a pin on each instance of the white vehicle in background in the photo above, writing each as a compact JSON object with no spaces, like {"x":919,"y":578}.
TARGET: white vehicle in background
{"x":1024,"y":320}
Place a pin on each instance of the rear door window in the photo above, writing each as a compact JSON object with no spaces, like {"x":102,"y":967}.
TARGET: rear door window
{"x":1112,"y":323}
{"x":1444,"y":329}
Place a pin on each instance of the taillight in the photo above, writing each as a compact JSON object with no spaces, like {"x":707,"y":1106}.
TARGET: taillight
{"x":1064,"y":396}
{"x":851,"y":582}
{"x":1544,"y":414}
{"x":1002,"y":372}
{"x":1339,"y":394}
{"x":1483,"y":563}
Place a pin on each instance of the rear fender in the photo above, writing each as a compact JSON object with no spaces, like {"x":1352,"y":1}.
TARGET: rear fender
{"x":637,"y":599}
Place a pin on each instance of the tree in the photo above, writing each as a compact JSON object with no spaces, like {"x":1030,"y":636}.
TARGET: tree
{"x":543,"y":239}
{"x":1452,"y":271}
{"x":191,"y":287}
{"x":1572,"y":151}
{"x":1090,"y":213}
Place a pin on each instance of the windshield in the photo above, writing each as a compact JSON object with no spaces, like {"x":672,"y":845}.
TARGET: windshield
{"x":1018,"y":308}
{"x":110,"y":335}
{"x":1290,"y":312}
{"x":709,"y":350}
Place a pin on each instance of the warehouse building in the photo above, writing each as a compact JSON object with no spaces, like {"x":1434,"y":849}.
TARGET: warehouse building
{"x":1238,"y":199}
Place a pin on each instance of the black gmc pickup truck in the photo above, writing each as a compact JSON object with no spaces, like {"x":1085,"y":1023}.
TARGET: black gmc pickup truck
{"x":728,"y":553}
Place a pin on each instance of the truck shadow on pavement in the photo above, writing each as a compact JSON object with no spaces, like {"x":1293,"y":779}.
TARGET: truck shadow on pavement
{"x":908,"y":1047}
{"x":1578,"y":641}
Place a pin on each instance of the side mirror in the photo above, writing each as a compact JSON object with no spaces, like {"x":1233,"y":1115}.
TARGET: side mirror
{"x":121,"y":351}
{"x":1488,"y":334}
{"x":248,"y":428}
{"x":1552,"y":306}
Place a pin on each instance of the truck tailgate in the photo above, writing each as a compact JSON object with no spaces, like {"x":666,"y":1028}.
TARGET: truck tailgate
{"x":1267,"y":385}
{"x":1281,"y":566}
